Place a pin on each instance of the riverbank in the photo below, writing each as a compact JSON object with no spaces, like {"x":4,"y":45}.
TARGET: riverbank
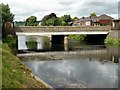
{"x":14,"y":73}
{"x":112,"y":41}
{"x":113,"y":38}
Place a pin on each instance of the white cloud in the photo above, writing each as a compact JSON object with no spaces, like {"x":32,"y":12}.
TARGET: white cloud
{"x":39,"y":8}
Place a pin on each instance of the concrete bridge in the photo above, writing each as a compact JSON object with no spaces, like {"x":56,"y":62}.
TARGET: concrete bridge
{"x":61,"y":30}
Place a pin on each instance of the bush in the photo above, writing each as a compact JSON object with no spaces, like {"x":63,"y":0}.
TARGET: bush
{"x":112,"y":41}
{"x":11,"y":41}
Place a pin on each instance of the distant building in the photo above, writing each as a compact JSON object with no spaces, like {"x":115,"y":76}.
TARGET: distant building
{"x":105,"y":19}
{"x":76,"y":22}
{"x":8,"y":28}
{"x":116,"y":24}
{"x":93,"y":21}
{"x":87,"y":21}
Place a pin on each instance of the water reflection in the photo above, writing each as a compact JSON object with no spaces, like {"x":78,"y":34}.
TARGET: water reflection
{"x":33,"y":43}
{"x":44,"y":43}
{"x":77,"y":72}
{"x":95,"y":66}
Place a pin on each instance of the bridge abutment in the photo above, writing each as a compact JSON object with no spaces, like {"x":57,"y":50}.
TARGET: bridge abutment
{"x":60,"y":39}
{"x":65,"y":39}
{"x":113,"y":37}
{"x":65,"y":42}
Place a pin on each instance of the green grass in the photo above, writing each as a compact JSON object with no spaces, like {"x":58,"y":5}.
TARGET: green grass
{"x":0,"y":67}
{"x":14,"y":73}
{"x":11,"y":41}
{"x":13,"y":76}
{"x":112,"y":41}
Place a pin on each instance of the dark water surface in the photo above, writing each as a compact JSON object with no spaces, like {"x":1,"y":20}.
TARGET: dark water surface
{"x":88,"y":70}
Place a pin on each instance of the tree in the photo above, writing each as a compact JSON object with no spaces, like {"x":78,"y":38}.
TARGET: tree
{"x":93,"y":14}
{"x":31,"y":21}
{"x":51,"y":20}
{"x":75,"y":18}
{"x":65,"y":20}
{"x":58,"y":22}
{"x":48,"y":20}
{"x":6,"y":13}
{"x":7,"y":16}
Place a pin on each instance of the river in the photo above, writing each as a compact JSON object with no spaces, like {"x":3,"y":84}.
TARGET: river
{"x":74,"y":65}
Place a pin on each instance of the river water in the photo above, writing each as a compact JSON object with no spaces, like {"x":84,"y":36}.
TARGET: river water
{"x":86,"y":66}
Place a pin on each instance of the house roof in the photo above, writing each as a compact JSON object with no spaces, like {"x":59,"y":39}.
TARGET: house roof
{"x":94,"y":19}
{"x":90,"y":18}
{"x":104,"y":16}
{"x":116,"y":19}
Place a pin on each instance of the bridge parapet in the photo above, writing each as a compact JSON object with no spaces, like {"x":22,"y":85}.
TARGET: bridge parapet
{"x":60,"y":28}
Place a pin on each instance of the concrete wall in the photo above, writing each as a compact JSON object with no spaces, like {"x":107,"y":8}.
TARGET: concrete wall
{"x":114,"y":34}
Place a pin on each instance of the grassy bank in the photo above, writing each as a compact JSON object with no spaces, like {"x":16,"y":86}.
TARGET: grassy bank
{"x":112,"y":41}
{"x":14,"y":73}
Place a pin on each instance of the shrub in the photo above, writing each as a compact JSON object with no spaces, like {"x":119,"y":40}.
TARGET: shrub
{"x":112,"y":41}
{"x":11,"y":41}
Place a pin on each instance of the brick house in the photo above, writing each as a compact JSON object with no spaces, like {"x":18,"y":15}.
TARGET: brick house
{"x":105,"y":19}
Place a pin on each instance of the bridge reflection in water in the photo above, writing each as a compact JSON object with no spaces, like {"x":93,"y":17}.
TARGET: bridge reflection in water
{"x":74,"y":65}
{"x":60,"y":32}
{"x":39,"y":45}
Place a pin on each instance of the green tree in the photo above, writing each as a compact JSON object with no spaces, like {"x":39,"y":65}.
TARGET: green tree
{"x":75,"y":18}
{"x":6,"y":13}
{"x":93,"y":14}
{"x":58,"y":22}
{"x":31,"y":21}
{"x":51,"y":20}
{"x":65,"y":20}
{"x":64,"y":23}
{"x":44,"y":20}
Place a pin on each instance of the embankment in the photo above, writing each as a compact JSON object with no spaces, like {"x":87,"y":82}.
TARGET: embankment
{"x":14,"y":73}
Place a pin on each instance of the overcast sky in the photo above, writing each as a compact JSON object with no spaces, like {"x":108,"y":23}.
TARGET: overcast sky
{"x":25,"y":8}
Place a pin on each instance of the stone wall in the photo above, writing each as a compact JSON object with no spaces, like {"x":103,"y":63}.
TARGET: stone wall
{"x":8,"y":28}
